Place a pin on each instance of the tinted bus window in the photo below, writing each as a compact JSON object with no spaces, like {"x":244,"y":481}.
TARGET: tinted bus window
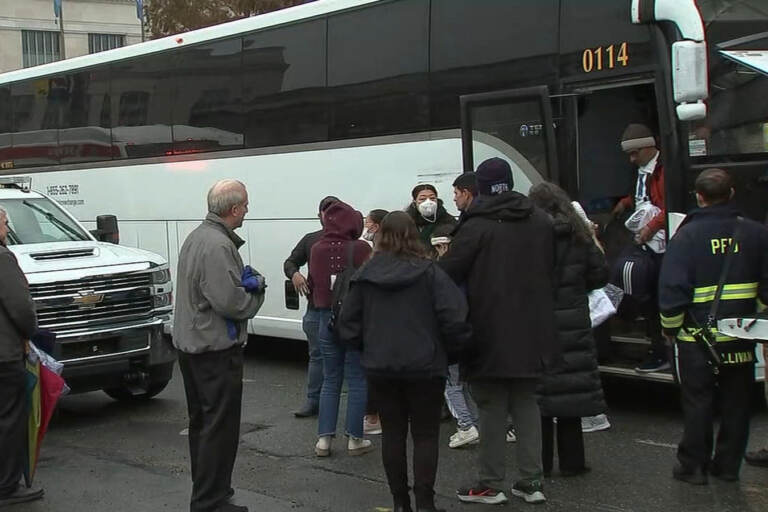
{"x":207,"y":112}
{"x":283,"y":84}
{"x":36,"y":106}
{"x":378,"y":62}
{"x":85,"y":132}
{"x":487,"y":46}
{"x":142,"y":92}
{"x":6,"y":127}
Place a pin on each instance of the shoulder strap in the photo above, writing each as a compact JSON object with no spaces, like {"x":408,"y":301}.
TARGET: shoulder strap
{"x":724,"y":272}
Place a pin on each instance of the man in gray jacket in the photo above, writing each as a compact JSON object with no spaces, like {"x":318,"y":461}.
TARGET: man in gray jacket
{"x":214,"y":301}
{"x":17,"y":324}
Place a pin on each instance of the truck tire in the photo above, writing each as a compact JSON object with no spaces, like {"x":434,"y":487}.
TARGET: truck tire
{"x":159,"y":379}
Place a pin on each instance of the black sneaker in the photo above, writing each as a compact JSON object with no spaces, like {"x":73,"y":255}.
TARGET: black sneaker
{"x":689,"y":476}
{"x":481,"y":494}
{"x":653,"y":363}
{"x":21,"y":495}
{"x":725,"y":476}
{"x":530,"y":490}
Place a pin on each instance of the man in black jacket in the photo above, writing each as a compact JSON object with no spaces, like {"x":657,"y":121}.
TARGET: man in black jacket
{"x":311,"y":322}
{"x":687,"y":287}
{"x":17,"y":324}
{"x":504,"y":252}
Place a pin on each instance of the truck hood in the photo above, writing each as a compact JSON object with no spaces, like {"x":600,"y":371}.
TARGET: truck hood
{"x":65,"y":261}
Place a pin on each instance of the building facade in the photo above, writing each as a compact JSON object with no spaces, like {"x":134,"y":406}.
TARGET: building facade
{"x":31,"y":34}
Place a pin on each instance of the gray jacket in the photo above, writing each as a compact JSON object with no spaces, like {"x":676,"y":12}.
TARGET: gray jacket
{"x":209,"y":291}
{"x":17,"y":311}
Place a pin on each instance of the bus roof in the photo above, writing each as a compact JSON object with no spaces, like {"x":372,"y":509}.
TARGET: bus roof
{"x":185,"y":39}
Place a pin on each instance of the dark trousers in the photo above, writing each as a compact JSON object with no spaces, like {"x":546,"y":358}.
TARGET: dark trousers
{"x":213,"y":382}
{"x":418,"y":401}
{"x":570,"y":443}
{"x":701,"y":392}
{"x":13,"y":425}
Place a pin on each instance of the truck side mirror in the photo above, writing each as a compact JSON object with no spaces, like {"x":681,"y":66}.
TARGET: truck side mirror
{"x":106,"y":229}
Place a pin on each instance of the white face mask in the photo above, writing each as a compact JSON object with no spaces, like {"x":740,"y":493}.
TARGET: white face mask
{"x":428,"y":208}
{"x":368,"y":235}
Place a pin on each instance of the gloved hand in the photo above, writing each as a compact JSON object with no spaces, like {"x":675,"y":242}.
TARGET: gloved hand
{"x":252,"y":281}
{"x":231,"y":329}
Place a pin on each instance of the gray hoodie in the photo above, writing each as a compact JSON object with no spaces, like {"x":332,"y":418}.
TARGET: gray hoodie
{"x":17,"y":312}
{"x":209,"y":291}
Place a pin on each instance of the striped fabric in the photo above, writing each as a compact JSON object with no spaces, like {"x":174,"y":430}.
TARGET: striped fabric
{"x":730,"y":292}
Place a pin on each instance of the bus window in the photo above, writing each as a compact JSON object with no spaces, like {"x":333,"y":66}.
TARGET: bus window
{"x":207,"y":109}
{"x":6,"y":127}
{"x":283,"y":81}
{"x":378,"y":62}
{"x":36,"y":105}
{"x":85,"y":130}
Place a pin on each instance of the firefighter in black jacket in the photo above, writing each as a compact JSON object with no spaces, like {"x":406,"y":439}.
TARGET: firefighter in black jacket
{"x":687,"y":286}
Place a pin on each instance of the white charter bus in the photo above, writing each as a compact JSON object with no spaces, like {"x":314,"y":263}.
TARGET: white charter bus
{"x":362,"y":99}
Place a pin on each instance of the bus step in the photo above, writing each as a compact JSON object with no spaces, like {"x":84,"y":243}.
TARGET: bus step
{"x":627,"y":370}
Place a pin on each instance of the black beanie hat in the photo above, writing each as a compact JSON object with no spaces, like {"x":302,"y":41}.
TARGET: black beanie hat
{"x":494,"y":176}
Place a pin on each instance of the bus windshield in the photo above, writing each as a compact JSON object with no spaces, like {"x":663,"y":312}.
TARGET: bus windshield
{"x":39,"y":220}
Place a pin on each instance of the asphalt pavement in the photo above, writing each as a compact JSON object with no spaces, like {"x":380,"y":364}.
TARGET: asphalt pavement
{"x":106,"y":456}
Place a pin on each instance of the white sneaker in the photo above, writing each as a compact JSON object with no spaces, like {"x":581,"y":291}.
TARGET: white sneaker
{"x":464,"y":437}
{"x":595,"y":423}
{"x":511,"y":436}
{"x":323,"y":446}
{"x":372,"y":428}
{"x":359,"y":446}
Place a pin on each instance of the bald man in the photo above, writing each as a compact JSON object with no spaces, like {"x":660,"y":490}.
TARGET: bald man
{"x":214,"y":300}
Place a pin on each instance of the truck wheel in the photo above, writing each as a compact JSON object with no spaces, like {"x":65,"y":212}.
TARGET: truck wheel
{"x":159,"y":378}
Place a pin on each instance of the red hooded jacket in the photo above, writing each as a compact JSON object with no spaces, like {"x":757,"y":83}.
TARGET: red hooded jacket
{"x":342,"y":225}
{"x":655,"y":185}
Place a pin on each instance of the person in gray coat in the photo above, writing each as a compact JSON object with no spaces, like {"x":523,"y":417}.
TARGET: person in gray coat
{"x":215,"y":297}
{"x":17,"y":324}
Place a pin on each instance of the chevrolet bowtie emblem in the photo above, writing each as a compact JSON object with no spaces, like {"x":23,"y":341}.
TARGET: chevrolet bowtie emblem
{"x":88,"y":298}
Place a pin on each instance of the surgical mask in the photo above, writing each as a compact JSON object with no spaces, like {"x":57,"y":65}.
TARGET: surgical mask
{"x":368,"y":235}
{"x":428,"y":208}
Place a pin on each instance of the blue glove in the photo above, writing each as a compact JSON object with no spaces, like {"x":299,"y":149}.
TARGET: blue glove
{"x":252,"y":281}
{"x":231,"y":329}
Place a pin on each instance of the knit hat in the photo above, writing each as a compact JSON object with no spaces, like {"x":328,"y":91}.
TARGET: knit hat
{"x":637,"y":136}
{"x":494,"y":176}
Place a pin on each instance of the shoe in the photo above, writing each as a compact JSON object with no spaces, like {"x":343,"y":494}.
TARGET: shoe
{"x":653,"y":364}
{"x":575,"y":472}
{"x":722,"y":475}
{"x":530,"y":490}
{"x":372,"y":428}
{"x":359,"y":446}
{"x":464,"y":437}
{"x":323,"y":446}
{"x":306,"y":411}
{"x":595,"y":423}
{"x":693,"y":477}
{"x":511,"y":436}
{"x":481,"y":494}
{"x":21,"y":495}
{"x":228,"y":507}
{"x":758,"y":458}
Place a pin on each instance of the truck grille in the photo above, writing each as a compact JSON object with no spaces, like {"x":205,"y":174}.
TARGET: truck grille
{"x":93,"y":301}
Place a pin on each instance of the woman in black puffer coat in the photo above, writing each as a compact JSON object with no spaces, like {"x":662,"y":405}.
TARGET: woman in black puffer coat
{"x":573,"y":389}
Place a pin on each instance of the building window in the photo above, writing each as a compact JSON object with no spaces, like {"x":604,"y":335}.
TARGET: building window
{"x":103,"y":42}
{"x":39,"y":47}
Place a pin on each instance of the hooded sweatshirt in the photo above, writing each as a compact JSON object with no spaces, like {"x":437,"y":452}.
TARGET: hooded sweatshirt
{"x":342,"y":226}
{"x":504,"y":252}
{"x":406,"y":316}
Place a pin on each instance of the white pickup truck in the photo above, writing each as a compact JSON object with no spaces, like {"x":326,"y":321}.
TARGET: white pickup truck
{"x":108,"y":304}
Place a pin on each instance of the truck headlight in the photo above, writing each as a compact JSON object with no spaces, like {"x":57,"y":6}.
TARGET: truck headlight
{"x":161,"y":276}
{"x":162,"y":300}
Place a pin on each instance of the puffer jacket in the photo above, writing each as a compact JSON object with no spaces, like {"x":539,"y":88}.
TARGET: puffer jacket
{"x":573,"y":387}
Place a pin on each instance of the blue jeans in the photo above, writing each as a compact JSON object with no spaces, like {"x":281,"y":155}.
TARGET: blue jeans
{"x":340,"y":362}
{"x":459,"y":401}
{"x":311,"y":326}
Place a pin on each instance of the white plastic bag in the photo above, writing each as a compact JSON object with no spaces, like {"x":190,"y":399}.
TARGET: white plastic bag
{"x":638,"y":220}
{"x":600,"y":307}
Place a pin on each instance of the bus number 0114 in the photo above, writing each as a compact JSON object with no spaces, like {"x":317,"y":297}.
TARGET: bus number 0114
{"x":600,"y":58}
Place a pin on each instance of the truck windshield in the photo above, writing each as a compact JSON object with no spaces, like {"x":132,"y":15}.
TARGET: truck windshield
{"x":38,"y":220}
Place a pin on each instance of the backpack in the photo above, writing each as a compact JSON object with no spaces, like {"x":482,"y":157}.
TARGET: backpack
{"x":340,"y":287}
{"x":636,"y":272}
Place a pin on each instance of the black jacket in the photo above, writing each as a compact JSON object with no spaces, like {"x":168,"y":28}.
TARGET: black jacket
{"x":691,"y":270}
{"x":17,"y":311}
{"x":444,"y":223}
{"x":504,"y":253}
{"x":574,"y":389}
{"x":406,"y":316}
{"x":300,"y":255}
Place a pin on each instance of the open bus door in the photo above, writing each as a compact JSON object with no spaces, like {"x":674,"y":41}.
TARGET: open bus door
{"x":516,"y":125}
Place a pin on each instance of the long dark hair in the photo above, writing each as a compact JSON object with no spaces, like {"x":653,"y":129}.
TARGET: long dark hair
{"x":553,"y":200}
{"x":399,"y":236}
